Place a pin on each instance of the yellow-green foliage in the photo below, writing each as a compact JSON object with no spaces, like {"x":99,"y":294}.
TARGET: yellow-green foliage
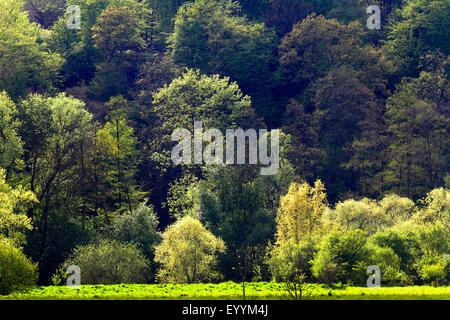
{"x":364,"y":214}
{"x":188,"y":253}
{"x":436,"y":208}
{"x":13,"y":203}
{"x":17,"y":272}
{"x":369,"y":215}
{"x":300,"y":211}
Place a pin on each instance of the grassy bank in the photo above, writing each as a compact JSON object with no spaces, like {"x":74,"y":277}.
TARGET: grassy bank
{"x":229,"y":291}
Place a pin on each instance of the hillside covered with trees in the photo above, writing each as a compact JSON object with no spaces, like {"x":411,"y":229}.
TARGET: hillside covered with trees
{"x":89,"y":99}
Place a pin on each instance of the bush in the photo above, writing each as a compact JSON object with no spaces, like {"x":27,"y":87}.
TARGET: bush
{"x":433,"y":273}
{"x":188,"y":253}
{"x":139,"y":228}
{"x":433,"y":241}
{"x":289,"y":261}
{"x":323,"y":267}
{"x":345,"y":255}
{"x":108,"y":262}
{"x":389,"y":263}
{"x":404,"y":246}
{"x":17,"y":272}
{"x":446,"y":263}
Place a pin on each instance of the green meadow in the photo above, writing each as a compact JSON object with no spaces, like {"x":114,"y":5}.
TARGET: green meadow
{"x":228,"y":291}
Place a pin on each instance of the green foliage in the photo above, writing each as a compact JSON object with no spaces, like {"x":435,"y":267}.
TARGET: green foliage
{"x":13,"y":204}
{"x":119,"y":40}
{"x":316,"y":44}
{"x":216,"y":101}
{"x":300,"y":212}
{"x":404,"y":246}
{"x":351,"y":214}
{"x":188,"y":253}
{"x":115,"y":152}
{"x":26,"y":63}
{"x":390,"y":266}
{"x":283,"y":14}
{"x":139,"y":227}
{"x":10,"y":142}
{"x":421,"y":26}
{"x":17,"y":272}
{"x":347,"y":255}
{"x":110,"y":262}
{"x":417,"y":125}
{"x":57,"y":133}
{"x":436,"y":209}
{"x":433,"y":241}
{"x":291,"y":262}
{"x":236,"y":207}
{"x":210,"y":36}
{"x":433,"y":273}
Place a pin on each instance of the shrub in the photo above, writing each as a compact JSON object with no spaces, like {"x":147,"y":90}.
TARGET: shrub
{"x":397,"y":209}
{"x":139,"y":227}
{"x":364,"y":214}
{"x":17,"y":272}
{"x":108,"y":262}
{"x":404,"y":246}
{"x":188,"y":253}
{"x":434,"y":241}
{"x":446,"y":263}
{"x":323,"y":267}
{"x":346,"y":254}
{"x":433,"y":273}
{"x":436,"y":209}
{"x":290,"y":260}
{"x":389,"y":264}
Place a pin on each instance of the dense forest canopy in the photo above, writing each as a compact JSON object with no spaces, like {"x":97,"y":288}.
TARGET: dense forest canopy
{"x":87,"y":114}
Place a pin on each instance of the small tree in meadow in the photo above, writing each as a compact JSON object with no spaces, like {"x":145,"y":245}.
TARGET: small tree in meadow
{"x":188,"y":253}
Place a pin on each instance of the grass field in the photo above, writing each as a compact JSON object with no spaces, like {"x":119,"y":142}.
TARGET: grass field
{"x":228,"y":291}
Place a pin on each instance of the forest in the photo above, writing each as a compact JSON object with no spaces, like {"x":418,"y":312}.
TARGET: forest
{"x":91,"y":92}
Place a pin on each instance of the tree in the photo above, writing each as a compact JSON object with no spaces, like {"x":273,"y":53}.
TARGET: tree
{"x":45,"y":12}
{"x":435,"y":208}
{"x":316,"y":45}
{"x":115,"y":161}
{"x":13,"y":205}
{"x":303,"y":151}
{"x":165,"y":11}
{"x":119,"y":40}
{"x":240,"y":208}
{"x":291,"y":264}
{"x":210,"y":36}
{"x":17,"y":272}
{"x":345,"y":256}
{"x":344,"y":106}
{"x":57,"y":133}
{"x":26,"y":64}
{"x":361,"y":214}
{"x":418,"y":137}
{"x":300,"y":212}
{"x":348,"y":11}
{"x":188,"y":253}
{"x":283,"y":14}
{"x":109,"y":262}
{"x":193,"y":97}
{"x":421,"y":26}
{"x":10,"y":142}
{"x":397,"y":209}
{"x":78,"y":46}
{"x":139,"y":228}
